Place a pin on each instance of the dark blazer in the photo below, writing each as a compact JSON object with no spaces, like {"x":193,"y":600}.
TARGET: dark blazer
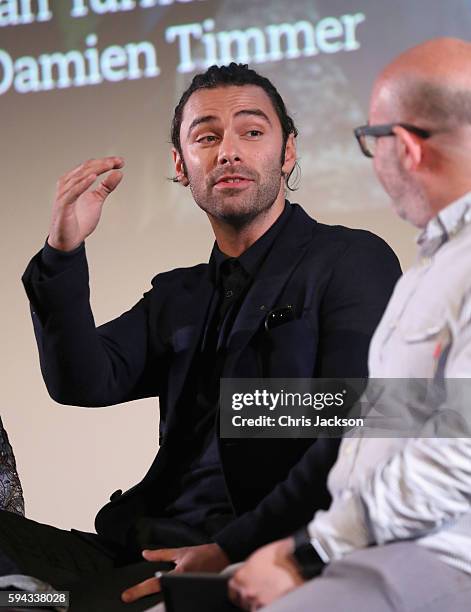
{"x":338,"y":280}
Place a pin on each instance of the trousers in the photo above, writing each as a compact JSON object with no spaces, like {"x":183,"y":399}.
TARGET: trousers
{"x":93,"y":570}
{"x":399,"y":577}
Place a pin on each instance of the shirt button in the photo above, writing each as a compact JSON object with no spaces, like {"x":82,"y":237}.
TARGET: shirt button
{"x":228,"y":293}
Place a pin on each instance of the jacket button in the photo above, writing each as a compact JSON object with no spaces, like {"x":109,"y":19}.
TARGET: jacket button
{"x":116,"y":494}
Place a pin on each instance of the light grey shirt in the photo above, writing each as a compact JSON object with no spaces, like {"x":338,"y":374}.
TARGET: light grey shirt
{"x":389,"y":489}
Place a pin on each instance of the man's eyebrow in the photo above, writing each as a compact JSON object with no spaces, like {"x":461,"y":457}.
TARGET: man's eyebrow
{"x":198,"y":120}
{"x":254,"y":111}
{"x":246,"y":111}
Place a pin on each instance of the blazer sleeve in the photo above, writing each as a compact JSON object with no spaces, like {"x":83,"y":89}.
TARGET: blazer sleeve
{"x":83,"y":364}
{"x":352,"y":305}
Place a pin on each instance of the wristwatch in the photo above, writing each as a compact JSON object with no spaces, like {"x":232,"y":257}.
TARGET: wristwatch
{"x":309,"y":554}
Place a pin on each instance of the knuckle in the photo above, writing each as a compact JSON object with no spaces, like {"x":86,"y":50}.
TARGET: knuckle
{"x":83,"y":166}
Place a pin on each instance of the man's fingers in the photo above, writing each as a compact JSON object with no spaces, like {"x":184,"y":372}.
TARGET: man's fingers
{"x":147,"y":587}
{"x":233,"y":592}
{"x":161,"y":554}
{"x":97,"y":166}
{"x":239,"y":596}
{"x":78,"y":188}
{"x":108,"y":184}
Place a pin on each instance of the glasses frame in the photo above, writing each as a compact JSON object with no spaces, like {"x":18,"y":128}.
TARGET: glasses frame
{"x":385,"y":129}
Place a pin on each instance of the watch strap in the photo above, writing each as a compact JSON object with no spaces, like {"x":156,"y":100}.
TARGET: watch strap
{"x":306,"y":557}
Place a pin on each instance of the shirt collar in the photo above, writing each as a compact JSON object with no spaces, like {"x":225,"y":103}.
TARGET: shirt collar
{"x":252,"y":258}
{"x":445,"y":225}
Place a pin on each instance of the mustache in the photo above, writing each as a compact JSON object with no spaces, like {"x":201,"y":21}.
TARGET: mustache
{"x":239,"y":171}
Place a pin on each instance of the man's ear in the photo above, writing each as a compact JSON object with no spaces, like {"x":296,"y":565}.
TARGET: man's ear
{"x":180,"y":170}
{"x":409,"y":149}
{"x":290,"y":155}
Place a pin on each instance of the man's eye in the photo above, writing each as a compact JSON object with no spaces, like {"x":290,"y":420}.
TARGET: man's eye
{"x":254,"y":133}
{"x":207,"y":139}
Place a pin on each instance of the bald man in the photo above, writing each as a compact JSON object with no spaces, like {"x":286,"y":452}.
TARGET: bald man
{"x":398,"y":533}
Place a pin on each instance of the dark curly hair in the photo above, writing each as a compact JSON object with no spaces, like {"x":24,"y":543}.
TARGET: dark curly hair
{"x":234,"y":74}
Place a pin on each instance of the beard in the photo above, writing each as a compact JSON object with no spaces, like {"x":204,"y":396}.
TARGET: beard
{"x":236,"y":207}
{"x":408,"y":197}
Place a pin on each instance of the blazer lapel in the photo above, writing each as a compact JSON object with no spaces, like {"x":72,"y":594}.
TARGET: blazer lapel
{"x":191,"y":309}
{"x":270,"y":280}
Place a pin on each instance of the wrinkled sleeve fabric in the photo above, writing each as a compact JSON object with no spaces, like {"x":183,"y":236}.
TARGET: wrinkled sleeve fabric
{"x":419,"y":489}
{"x":83,"y":364}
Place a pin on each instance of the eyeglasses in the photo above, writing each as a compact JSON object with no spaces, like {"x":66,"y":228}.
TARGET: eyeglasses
{"x":368,"y":134}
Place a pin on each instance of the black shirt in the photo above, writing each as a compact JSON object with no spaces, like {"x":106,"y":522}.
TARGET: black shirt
{"x":199,"y":496}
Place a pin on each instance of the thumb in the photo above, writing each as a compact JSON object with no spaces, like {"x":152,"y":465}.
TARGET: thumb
{"x":109,"y":184}
{"x":162,"y":554}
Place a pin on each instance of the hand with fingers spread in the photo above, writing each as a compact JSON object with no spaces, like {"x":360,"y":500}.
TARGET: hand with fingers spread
{"x":202,"y":558}
{"x":267,"y":575}
{"x":77,"y":209}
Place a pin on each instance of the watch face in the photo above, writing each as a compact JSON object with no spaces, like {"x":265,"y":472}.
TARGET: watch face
{"x":306,"y":557}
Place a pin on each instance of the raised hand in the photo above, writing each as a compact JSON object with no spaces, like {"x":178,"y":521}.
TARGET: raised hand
{"x":77,"y":209}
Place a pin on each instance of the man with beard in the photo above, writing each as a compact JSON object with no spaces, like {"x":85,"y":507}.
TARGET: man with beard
{"x":397,"y":535}
{"x":282,"y":295}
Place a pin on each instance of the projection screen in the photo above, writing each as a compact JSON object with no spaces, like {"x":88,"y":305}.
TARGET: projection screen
{"x":87,"y":78}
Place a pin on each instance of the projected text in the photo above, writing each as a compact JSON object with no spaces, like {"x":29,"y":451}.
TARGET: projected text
{"x":197,"y":46}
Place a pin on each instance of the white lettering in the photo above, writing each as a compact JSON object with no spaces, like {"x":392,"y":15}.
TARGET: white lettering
{"x":127,"y":5}
{"x":291,"y":34}
{"x":27,"y":75}
{"x":351,"y":22}
{"x":326,"y":30}
{"x":101,"y":7}
{"x":91,"y":55}
{"x":248,"y":399}
{"x":9,"y":13}
{"x":134,"y":50}
{"x":209,"y":42}
{"x":44,"y":12}
{"x":255,"y":45}
{"x":76,"y":68}
{"x":242,"y":40}
{"x":20,"y":12}
{"x":260,"y":421}
{"x":184,"y":33}
{"x":113,"y":63}
{"x":7,"y":70}
{"x":61,"y":63}
{"x":79,"y":9}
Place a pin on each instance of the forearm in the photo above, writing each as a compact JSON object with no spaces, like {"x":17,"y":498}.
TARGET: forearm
{"x":412,"y":494}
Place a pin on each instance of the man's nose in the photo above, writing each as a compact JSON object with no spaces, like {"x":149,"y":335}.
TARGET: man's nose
{"x":229,"y":152}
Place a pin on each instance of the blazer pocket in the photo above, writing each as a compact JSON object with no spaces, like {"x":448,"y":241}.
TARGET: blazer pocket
{"x":289,"y":350}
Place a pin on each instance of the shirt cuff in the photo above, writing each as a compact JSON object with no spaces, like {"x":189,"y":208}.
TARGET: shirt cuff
{"x":54,"y":261}
{"x":344,"y":527}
